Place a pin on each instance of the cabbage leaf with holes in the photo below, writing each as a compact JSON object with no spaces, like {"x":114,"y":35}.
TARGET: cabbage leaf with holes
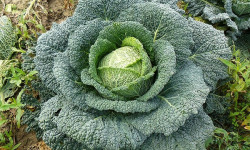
{"x":129,"y":74}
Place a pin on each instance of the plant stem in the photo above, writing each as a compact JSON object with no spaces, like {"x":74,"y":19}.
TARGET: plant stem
{"x":29,"y":8}
{"x":2,"y":98}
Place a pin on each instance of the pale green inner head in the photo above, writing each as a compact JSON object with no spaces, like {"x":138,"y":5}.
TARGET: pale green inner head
{"x":120,"y":67}
{"x":124,"y":66}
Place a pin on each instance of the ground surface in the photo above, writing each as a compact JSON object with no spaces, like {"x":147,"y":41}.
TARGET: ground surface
{"x":50,"y":11}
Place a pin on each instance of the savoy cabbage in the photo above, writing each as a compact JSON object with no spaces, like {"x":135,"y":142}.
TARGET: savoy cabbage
{"x":129,"y":74}
{"x":7,"y":37}
{"x":234,"y":13}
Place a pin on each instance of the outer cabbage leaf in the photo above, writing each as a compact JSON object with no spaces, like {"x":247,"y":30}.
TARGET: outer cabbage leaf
{"x":243,"y":44}
{"x":59,"y":141}
{"x":105,"y":9}
{"x":241,"y":7}
{"x":95,"y":101}
{"x":69,"y":83}
{"x":7,"y":37}
{"x":48,"y":45}
{"x":184,"y":94}
{"x":80,"y":42}
{"x":210,"y":45}
{"x":172,"y":4}
{"x":243,"y":23}
{"x":55,"y":139}
{"x":216,"y":15}
{"x":98,"y":131}
{"x":28,"y":98}
{"x":215,"y":103}
{"x":49,"y":111}
{"x":234,"y":13}
{"x":166,"y":60}
{"x":28,"y":60}
{"x":192,"y":135}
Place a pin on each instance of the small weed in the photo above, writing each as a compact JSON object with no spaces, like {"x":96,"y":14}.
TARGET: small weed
{"x":238,"y":89}
{"x":12,"y":77}
{"x":10,"y":142}
{"x":223,"y":140}
{"x":18,"y":76}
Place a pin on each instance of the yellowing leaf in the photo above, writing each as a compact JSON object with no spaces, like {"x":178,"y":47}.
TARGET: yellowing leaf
{"x":228,"y":63}
{"x":240,"y":86}
{"x":247,"y":128}
{"x":246,"y":121}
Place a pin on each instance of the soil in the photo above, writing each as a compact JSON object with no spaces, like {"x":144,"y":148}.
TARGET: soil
{"x":29,"y":141}
{"x":49,"y":11}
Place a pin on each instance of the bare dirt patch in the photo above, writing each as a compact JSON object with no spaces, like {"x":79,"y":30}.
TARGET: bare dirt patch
{"x":49,"y":11}
{"x":29,"y":141}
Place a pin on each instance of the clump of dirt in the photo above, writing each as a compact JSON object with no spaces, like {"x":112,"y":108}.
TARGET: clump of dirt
{"x":26,"y":139}
{"x":59,"y":10}
{"x":39,"y":146}
{"x":49,"y":11}
{"x":56,"y":11}
{"x":29,"y":141}
{"x":20,"y":4}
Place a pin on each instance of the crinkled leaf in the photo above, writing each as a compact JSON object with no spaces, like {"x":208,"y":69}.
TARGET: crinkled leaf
{"x":210,"y":45}
{"x":80,"y":42}
{"x":243,"y":44}
{"x":95,"y":101}
{"x":241,"y":7}
{"x":243,"y":23}
{"x":48,"y":45}
{"x":49,"y":110}
{"x":87,"y":80}
{"x":118,"y":31}
{"x":228,"y":12}
{"x":164,"y":23}
{"x":59,"y":141}
{"x":98,"y":132}
{"x":184,"y":94}
{"x":192,"y":135}
{"x":166,"y":62}
{"x":7,"y":37}
{"x":216,"y":15}
{"x":69,"y":83}
{"x":104,"y":9}
{"x":216,"y":103}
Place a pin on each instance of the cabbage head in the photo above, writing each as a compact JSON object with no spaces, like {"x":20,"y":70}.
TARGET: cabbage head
{"x":7,"y":38}
{"x":129,"y":74}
